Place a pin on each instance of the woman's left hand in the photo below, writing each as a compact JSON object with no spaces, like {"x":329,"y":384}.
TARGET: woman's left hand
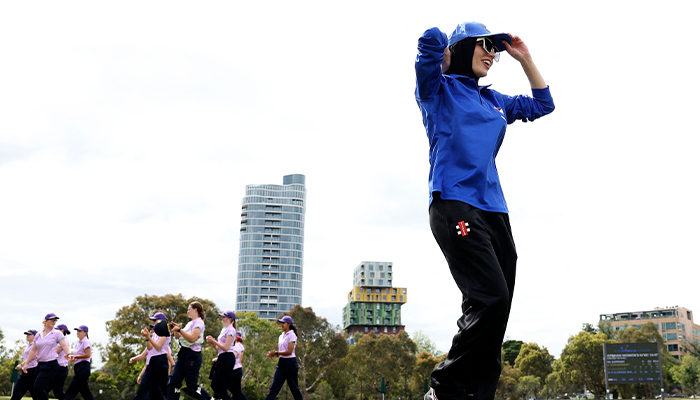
{"x":271,"y":353}
{"x":144,"y":333}
{"x":518,"y":49}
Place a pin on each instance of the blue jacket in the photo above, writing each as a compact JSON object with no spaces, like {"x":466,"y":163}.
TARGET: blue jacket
{"x":466,"y":124}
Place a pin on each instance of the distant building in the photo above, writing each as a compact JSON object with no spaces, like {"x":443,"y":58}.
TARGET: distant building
{"x":271,"y":256}
{"x":373,"y":304}
{"x":675,"y":324}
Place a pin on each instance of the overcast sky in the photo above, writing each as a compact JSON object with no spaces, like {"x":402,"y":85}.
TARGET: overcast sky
{"x":128,"y":132}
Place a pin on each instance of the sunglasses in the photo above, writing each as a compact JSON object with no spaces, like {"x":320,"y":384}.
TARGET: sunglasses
{"x":489,"y":47}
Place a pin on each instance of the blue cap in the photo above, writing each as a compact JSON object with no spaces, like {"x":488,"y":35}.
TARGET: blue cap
{"x":476,"y":30}
{"x":50,"y":316}
{"x":30,"y":332}
{"x":82,"y":328}
{"x":158,"y":316}
{"x":228,"y":314}
{"x":63,"y":328}
{"x":286,"y":319}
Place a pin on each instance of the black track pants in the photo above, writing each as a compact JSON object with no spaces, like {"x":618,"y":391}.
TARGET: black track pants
{"x":482,"y":263}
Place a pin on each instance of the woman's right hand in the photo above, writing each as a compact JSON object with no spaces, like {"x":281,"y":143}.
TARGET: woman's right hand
{"x":131,"y":360}
{"x":211,"y":341}
{"x":446,"y":59}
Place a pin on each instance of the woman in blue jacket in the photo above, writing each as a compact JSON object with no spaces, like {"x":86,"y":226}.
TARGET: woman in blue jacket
{"x":466,"y":124}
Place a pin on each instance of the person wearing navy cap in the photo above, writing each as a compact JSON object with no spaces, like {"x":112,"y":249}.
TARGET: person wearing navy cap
{"x":44,"y":352}
{"x":154,"y":380}
{"x":81,"y":357}
{"x":60,"y":379}
{"x":25,"y":382}
{"x":223,"y":377}
{"x":287,"y":366}
{"x":465,"y":124}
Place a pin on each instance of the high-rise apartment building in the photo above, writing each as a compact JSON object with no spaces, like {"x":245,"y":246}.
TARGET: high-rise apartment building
{"x":271,"y":256}
{"x":675,"y":324}
{"x":373,"y":304}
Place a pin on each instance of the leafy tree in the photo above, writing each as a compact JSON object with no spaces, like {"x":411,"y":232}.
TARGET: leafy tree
{"x":688,"y":374}
{"x":589,"y":328}
{"x":507,"y":387}
{"x":529,"y":385}
{"x":376,"y":356}
{"x":535,"y":361}
{"x":511,"y":349}
{"x":125,"y":341}
{"x":423,"y":343}
{"x":582,"y":361}
{"x":320,"y":348}
{"x":606,"y":328}
{"x":425,"y":364}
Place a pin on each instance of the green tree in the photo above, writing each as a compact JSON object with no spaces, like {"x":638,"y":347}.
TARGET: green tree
{"x":529,"y":385}
{"x":647,"y":334}
{"x":376,"y":356}
{"x":688,"y":375}
{"x":507,"y":387}
{"x":606,"y":328}
{"x":423,"y":343}
{"x":582,"y":361}
{"x":319,"y":349}
{"x":125,"y":340}
{"x":535,"y":361}
{"x":511,"y":350}
{"x":425,"y":364}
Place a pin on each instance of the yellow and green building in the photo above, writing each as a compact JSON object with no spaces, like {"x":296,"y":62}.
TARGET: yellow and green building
{"x":374,"y":305}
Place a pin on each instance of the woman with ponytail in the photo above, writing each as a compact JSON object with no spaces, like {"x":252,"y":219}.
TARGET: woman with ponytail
{"x":59,"y":381}
{"x":189,"y":357}
{"x":223,"y":380}
{"x":287,"y":367}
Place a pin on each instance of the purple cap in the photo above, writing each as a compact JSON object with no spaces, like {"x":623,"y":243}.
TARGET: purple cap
{"x":286,"y":319}
{"x":158,"y":316}
{"x":63,"y":328}
{"x":238,"y":333}
{"x":477,"y":30}
{"x":50,"y":316}
{"x":151,"y":326}
{"x":229,"y":314}
{"x":30,"y":332}
{"x":81,"y":328}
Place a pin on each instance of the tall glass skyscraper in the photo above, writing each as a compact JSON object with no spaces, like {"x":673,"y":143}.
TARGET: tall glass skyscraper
{"x":271,"y":257}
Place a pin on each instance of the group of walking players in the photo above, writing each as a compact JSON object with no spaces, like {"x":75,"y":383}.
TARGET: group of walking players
{"x":45,"y":360}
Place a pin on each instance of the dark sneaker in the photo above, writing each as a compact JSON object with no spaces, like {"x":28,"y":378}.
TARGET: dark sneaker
{"x":430,"y":395}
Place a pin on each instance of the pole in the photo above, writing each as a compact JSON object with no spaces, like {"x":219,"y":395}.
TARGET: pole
{"x":661,"y":373}
{"x":605,"y":364}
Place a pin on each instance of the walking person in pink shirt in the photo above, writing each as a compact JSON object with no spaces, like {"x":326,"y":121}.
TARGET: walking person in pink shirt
{"x":189,"y":357}
{"x":59,"y":381}
{"x":238,"y":350}
{"x":44,"y":351}
{"x":82,"y":355}
{"x":287,"y":367}
{"x":155,"y":377}
{"x":26,"y":379}
{"x":223,"y":380}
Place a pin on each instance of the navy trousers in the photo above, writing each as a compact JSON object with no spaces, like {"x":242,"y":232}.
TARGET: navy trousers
{"x":187,"y":367}
{"x":47,"y":371}
{"x":226,"y":379}
{"x":482,"y":263}
{"x":59,"y":382}
{"x":287,"y":370}
{"x":79,"y":383}
{"x":25,"y":383}
{"x":154,"y":380}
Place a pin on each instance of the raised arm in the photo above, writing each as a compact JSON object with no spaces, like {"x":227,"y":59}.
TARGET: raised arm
{"x":429,"y":62}
{"x":520,"y":52}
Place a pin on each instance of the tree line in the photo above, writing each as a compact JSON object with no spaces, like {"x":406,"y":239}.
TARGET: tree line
{"x":331,"y":368}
